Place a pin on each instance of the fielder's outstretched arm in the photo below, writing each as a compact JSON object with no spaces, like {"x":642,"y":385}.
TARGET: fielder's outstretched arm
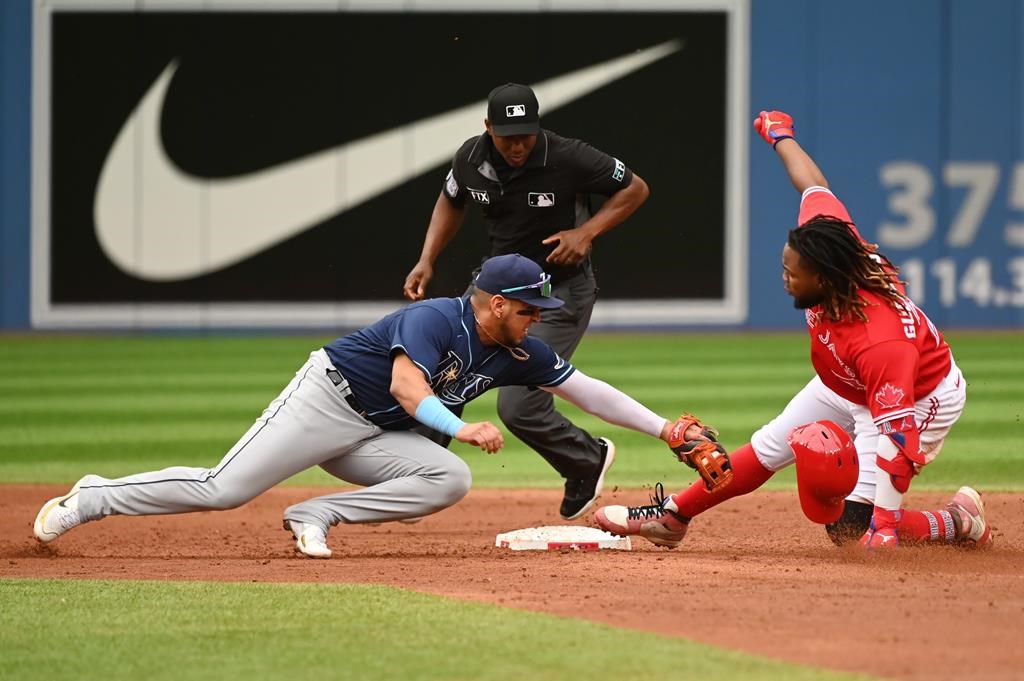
{"x":691,"y":441}
{"x":610,"y":405}
{"x":776,"y":128}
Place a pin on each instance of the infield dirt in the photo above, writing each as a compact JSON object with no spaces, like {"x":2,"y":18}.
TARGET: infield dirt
{"x":753,"y":575}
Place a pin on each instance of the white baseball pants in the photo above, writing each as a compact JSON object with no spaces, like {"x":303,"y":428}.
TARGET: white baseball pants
{"x":935,"y":414}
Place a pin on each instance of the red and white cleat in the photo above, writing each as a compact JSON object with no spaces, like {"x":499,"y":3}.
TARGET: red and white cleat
{"x":969,"y":516}
{"x":657,"y":522}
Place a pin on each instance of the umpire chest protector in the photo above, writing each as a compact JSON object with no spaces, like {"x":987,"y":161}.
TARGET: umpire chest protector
{"x":547,"y":194}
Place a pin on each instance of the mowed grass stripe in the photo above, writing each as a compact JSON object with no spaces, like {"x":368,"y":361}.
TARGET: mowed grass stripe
{"x":119,"y":405}
{"x":160,"y":402}
{"x":240,"y":632}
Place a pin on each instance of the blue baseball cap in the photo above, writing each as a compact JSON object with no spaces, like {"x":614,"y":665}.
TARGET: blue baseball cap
{"x":516,"y":276}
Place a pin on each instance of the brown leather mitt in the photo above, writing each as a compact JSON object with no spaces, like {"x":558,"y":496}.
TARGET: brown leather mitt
{"x":702,"y":452}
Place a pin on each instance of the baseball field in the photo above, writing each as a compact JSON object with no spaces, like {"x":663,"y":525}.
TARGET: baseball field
{"x":756,"y":591}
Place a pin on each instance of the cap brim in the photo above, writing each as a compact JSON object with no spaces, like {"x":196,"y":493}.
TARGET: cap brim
{"x":818,"y":512}
{"x":516,"y":129}
{"x":549,"y":303}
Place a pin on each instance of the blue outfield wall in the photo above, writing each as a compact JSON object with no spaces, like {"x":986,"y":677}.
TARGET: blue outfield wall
{"x":15,"y":140}
{"x":914,"y":111}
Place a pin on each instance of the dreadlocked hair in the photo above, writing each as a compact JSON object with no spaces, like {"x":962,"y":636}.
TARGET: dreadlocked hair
{"x":830,"y":247}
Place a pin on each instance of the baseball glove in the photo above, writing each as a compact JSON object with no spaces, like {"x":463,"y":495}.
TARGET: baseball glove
{"x":701,"y":452}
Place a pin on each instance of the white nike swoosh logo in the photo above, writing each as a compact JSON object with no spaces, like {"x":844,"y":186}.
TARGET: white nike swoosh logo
{"x":157,"y":223}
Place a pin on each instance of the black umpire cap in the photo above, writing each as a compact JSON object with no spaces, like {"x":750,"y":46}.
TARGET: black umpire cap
{"x":512,"y":109}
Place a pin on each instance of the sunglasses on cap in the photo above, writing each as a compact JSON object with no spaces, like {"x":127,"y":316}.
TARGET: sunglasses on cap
{"x":543,"y":286}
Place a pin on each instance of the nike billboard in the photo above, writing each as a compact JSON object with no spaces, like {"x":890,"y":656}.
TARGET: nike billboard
{"x":267,"y":168}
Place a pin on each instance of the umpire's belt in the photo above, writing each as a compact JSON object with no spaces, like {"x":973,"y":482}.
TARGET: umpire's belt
{"x":345,"y":391}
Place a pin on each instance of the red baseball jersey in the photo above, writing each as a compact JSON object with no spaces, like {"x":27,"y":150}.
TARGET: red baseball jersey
{"x":888,"y":362}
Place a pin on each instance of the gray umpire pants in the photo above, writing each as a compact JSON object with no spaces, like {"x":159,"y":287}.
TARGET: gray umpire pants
{"x":309,"y":424}
{"x":530,"y":414}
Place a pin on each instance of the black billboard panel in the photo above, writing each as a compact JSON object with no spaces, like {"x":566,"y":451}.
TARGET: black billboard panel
{"x":283,"y":165}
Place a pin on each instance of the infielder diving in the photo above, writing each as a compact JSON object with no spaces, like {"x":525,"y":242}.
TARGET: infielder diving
{"x":350,"y":409}
{"x":885,"y":379}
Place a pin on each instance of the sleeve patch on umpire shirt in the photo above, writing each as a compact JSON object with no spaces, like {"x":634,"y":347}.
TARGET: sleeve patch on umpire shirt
{"x":450,"y":185}
{"x":479,"y":195}
{"x":620,"y":171}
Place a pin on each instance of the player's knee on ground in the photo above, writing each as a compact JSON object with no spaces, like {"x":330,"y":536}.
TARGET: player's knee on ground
{"x":852,"y":524}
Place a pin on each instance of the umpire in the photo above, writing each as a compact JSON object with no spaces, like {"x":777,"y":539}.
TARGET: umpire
{"x":533,"y":188}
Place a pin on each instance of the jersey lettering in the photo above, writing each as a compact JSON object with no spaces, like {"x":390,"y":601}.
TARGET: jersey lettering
{"x":849,"y":376}
{"x":464,"y":389}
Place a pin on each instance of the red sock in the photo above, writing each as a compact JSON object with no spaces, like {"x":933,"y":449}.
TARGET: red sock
{"x":747,"y":475}
{"x":926,"y":526}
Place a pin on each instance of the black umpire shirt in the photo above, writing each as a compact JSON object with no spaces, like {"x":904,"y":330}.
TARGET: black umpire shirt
{"x":547,"y":194}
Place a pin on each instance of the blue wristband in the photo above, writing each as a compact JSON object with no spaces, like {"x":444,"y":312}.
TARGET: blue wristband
{"x":432,"y":412}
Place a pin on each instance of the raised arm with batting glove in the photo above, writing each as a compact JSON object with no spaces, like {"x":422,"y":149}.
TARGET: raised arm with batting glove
{"x":774,"y":126}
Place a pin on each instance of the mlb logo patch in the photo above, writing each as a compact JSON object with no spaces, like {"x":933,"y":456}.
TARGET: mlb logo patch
{"x":540,"y":199}
{"x":480,"y":196}
{"x":515,"y":110}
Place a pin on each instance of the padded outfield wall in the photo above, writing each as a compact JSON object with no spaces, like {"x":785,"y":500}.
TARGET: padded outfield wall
{"x":225,"y":218}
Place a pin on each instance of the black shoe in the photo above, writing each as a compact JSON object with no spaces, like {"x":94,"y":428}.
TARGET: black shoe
{"x":581,"y":493}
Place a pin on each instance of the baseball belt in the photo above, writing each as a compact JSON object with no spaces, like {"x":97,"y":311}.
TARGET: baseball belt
{"x":345,"y":391}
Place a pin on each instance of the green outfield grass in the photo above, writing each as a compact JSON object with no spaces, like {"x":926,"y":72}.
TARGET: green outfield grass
{"x":243,"y":632}
{"x":120,"y":405}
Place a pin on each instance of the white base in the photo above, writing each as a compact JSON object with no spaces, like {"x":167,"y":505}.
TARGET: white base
{"x":561,"y":538}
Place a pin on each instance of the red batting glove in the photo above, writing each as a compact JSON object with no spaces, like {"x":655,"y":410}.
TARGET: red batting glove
{"x":774,"y":126}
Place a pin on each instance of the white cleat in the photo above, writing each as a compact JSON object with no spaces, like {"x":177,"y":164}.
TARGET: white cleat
{"x":57,"y":516}
{"x":309,"y":539}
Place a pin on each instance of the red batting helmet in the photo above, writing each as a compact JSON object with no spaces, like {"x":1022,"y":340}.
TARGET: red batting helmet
{"x":826,"y":469}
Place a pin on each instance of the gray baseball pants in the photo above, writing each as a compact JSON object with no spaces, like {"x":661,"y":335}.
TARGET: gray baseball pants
{"x":309,"y":424}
